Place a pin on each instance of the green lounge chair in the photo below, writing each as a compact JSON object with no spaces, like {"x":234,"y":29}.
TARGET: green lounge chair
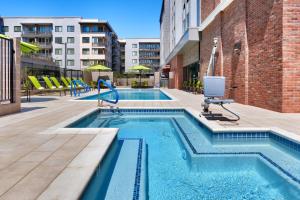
{"x":65,"y":82}
{"x":49,"y":83}
{"x":56,"y":82}
{"x":69,"y":80}
{"x":36,"y":84}
{"x":51,"y":86}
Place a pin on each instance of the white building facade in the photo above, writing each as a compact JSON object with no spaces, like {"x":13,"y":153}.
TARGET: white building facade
{"x":142,"y":51}
{"x":88,"y":41}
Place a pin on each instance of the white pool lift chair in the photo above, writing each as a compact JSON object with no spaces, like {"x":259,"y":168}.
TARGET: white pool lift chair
{"x":214,"y":87}
{"x":214,"y":91}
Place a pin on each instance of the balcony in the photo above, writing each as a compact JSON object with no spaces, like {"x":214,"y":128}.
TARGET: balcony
{"x":37,"y":58}
{"x":44,"y":45}
{"x":33,"y":34}
{"x":99,"y":44}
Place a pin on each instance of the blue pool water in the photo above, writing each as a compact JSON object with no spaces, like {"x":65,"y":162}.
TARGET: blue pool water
{"x":186,"y":161}
{"x":132,"y":94}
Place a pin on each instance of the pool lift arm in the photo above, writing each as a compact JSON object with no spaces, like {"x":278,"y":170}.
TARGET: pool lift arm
{"x":214,"y":86}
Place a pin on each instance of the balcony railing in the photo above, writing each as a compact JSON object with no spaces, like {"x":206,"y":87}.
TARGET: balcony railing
{"x":36,"y":34}
{"x":41,"y":57}
{"x":99,"y":44}
{"x":44,"y":45}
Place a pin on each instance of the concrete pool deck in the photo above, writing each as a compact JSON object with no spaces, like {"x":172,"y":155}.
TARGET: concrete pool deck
{"x":38,"y":157}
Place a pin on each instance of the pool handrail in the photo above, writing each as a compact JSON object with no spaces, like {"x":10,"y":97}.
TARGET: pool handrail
{"x":111,"y":88}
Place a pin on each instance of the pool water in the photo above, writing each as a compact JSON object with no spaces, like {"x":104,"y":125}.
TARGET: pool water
{"x":173,"y":172}
{"x":132,"y":94}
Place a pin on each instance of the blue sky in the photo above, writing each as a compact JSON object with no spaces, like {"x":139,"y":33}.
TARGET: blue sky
{"x":129,"y":18}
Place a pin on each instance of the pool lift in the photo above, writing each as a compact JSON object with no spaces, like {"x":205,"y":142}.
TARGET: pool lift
{"x":112,"y":89}
{"x":214,"y":87}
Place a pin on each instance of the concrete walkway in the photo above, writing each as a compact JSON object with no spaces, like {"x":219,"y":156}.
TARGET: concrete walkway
{"x":30,"y":161}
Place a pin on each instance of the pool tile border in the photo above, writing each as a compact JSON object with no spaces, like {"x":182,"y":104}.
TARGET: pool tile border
{"x":235,"y":153}
{"x":219,"y":135}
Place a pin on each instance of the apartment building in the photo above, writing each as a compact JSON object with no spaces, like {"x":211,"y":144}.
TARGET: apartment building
{"x":142,"y":51}
{"x":73,"y":42}
{"x":257,"y":49}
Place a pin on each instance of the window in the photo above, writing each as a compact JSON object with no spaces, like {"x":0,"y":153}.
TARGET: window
{"x":70,"y":51}
{"x":85,"y":51}
{"x":134,"y":46}
{"x":4,"y":29}
{"x":134,"y":53}
{"x":58,"y":40}
{"x":85,"y":29}
{"x":70,"y":63}
{"x":85,"y":62}
{"x":70,"y":28}
{"x":95,"y":40}
{"x":17,"y":28}
{"x":58,"y":28}
{"x":134,"y":61}
{"x":58,"y":51}
{"x":85,"y":40}
{"x":97,"y":51}
{"x":58,"y":62}
{"x":70,"y":40}
{"x":186,"y":15}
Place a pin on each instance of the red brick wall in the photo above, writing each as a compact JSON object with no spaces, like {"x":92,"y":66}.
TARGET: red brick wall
{"x":264,"y":32}
{"x":291,"y":56}
{"x":177,"y":68}
{"x":207,"y":7}
{"x":266,"y":70}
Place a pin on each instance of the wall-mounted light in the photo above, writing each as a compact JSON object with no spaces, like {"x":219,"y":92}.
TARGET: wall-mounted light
{"x":237,"y":48}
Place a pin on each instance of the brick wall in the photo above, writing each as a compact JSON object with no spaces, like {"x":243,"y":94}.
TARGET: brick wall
{"x":259,"y":51}
{"x":291,"y":56}
{"x":176,"y":68}
{"x":207,"y":7}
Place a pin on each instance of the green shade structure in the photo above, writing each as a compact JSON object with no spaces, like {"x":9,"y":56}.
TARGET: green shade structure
{"x":140,"y":68}
{"x":98,"y":68}
{"x":25,"y":47}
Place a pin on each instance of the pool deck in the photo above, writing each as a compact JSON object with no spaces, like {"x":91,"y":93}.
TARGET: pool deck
{"x":39,"y":159}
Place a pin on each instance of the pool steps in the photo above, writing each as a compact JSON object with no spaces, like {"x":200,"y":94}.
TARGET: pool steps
{"x":128,"y":178}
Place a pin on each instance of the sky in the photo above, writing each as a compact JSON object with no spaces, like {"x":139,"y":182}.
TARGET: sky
{"x":129,"y":18}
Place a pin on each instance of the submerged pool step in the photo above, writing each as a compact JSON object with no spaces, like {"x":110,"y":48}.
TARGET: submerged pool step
{"x":128,"y":178}
{"x":191,"y":134}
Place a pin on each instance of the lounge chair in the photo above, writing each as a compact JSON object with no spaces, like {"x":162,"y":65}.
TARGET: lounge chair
{"x":56,"y":82}
{"x":58,"y":85}
{"x":69,"y":80}
{"x":51,"y":86}
{"x":65,"y":82}
{"x":36,"y":84}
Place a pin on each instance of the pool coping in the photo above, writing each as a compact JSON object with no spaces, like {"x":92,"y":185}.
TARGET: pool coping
{"x":172,"y":98}
{"x":74,"y":191}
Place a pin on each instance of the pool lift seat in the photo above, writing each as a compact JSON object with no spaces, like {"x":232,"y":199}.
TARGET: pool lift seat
{"x":214,"y":87}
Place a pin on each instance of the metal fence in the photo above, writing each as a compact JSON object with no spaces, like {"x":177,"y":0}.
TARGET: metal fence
{"x":6,"y":71}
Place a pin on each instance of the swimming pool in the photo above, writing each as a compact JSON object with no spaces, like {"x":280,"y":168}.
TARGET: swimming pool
{"x":132,"y":94}
{"x":168,"y":154}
